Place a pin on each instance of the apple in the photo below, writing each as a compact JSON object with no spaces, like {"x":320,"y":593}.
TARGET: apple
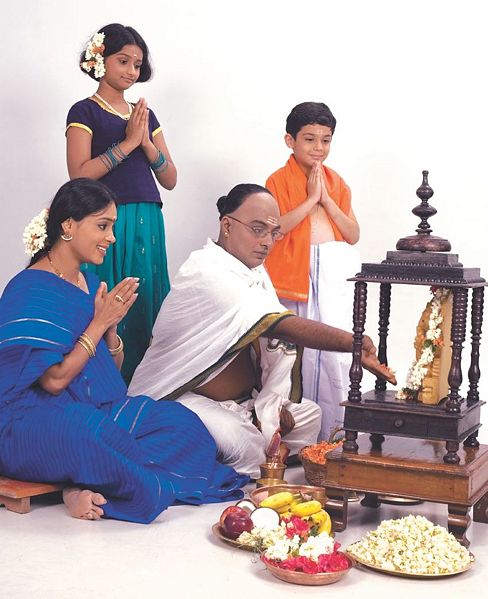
{"x":230,"y":510}
{"x":236,"y":523}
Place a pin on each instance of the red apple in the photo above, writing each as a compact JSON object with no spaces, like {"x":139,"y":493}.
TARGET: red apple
{"x":235,"y":523}
{"x":230,"y":510}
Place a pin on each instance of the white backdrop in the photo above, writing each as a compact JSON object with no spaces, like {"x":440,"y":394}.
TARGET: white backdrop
{"x":406,"y":82}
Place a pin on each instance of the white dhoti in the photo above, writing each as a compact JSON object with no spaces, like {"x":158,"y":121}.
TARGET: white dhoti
{"x":216,"y":308}
{"x":240,"y":443}
{"x":331,"y":297}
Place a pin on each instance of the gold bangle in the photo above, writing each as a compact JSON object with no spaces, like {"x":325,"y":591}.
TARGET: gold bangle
{"x":86,"y":347}
{"x":85,"y":341}
{"x":89,"y":341}
{"x":116,"y":350}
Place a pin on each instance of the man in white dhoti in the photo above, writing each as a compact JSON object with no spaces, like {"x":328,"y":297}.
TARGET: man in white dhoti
{"x":225,"y":347}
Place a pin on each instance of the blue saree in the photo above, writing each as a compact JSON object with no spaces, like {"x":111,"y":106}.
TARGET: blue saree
{"x":142,"y":455}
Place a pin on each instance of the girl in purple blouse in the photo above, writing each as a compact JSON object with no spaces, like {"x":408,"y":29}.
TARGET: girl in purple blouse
{"x":122,"y":145}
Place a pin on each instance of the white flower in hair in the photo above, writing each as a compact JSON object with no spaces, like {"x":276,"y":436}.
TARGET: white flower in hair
{"x":94,"y":56}
{"x":35,"y":233}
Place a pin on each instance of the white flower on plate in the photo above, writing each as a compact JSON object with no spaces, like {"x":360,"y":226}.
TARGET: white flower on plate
{"x":278,"y":551}
{"x":318,"y":545}
{"x":261,"y":537}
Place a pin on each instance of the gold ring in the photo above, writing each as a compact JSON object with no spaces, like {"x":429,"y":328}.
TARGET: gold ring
{"x":120,"y":299}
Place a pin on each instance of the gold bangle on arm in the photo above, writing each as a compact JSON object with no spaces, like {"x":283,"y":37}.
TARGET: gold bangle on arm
{"x":86,"y":342}
{"x":85,"y":346}
{"x":117,"y":350}
{"x":89,"y":341}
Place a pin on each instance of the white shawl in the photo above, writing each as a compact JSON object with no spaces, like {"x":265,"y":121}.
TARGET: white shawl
{"x":215,"y":302}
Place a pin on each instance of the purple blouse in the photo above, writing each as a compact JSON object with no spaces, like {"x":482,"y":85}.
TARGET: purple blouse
{"x":132,"y":180}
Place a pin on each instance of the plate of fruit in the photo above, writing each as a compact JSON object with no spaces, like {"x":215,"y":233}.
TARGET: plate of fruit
{"x":243,"y":517}
{"x":252,"y":527}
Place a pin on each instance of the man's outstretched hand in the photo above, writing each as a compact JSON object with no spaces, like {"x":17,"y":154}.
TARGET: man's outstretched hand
{"x":370,"y":362}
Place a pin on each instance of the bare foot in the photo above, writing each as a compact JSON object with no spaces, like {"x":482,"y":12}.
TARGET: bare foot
{"x":83,"y":503}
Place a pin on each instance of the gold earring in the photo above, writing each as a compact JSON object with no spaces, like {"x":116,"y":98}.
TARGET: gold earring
{"x":226,"y":233}
{"x":66,"y":237}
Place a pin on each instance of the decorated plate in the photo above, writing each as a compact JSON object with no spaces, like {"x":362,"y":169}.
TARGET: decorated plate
{"x":308,"y":579}
{"x":371,"y":566}
{"x":217,"y":531}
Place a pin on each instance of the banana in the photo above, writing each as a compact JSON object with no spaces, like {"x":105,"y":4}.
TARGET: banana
{"x":281,"y":510}
{"x":306,"y":509}
{"x":278,"y":500}
{"x":322,"y":521}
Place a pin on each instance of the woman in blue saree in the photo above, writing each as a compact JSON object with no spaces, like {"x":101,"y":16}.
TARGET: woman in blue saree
{"x":64,"y":411}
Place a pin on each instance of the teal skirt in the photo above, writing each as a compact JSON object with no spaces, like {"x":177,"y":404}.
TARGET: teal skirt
{"x":139,"y":251}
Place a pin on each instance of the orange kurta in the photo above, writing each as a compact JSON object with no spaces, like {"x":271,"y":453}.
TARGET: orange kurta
{"x":288,"y":262}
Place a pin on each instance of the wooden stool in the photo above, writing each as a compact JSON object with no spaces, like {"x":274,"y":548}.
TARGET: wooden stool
{"x":410,"y":468}
{"x":15,"y":494}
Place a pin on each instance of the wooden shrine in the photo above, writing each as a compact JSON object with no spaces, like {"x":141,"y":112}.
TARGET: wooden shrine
{"x":420,"y":259}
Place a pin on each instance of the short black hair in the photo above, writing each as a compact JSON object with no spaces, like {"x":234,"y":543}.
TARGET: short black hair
{"x":309,"y":113}
{"x":75,"y":199}
{"x":116,"y":37}
{"x":236,"y":197}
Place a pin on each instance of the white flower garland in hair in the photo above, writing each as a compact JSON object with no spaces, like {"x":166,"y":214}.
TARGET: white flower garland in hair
{"x":94,"y":56}
{"x":433,"y":340}
{"x":35,"y":233}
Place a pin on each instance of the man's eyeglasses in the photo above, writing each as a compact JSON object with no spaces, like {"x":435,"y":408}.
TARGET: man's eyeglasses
{"x":259,"y":231}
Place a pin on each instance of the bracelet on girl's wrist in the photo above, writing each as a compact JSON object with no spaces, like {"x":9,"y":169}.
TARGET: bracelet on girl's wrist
{"x":160,"y":163}
{"x":112,"y":157}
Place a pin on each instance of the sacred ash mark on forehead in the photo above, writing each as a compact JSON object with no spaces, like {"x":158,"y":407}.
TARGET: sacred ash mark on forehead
{"x":272,"y":221}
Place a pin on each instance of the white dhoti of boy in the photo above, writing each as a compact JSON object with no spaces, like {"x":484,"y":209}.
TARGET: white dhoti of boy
{"x":326,"y":373}
{"x":217,"y":306}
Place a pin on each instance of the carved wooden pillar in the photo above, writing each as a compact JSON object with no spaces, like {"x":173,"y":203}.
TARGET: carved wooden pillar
{"x":384,"y":321}
{"x":476,"y":322}
{"x":356,"y":371}
{"x":458,"y":335}
{"x":359,"y":319}
{"x":474,"y":369}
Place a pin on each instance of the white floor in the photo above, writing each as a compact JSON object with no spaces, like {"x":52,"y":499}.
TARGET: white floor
{"x":48,"y":555}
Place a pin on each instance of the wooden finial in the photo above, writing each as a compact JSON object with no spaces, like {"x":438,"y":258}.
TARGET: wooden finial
{"x":424,"y":241}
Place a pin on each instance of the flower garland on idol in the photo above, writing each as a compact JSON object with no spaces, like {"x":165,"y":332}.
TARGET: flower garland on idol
{"x":432,"y":340}
{"x":94,"y":56}
{"x":35,"y":233}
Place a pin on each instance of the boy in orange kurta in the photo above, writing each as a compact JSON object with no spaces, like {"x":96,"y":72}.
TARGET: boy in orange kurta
{"x":309,"y":267}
